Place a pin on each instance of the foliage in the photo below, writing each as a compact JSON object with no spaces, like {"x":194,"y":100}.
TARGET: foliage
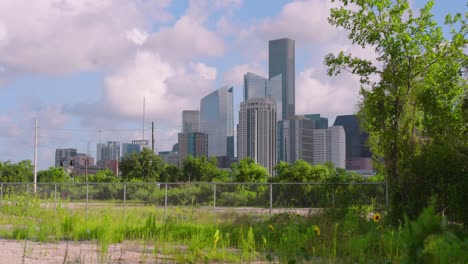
{"x":246,"y":170}
{"x":53,"y":174}
{"x":22,"y":171}
{"x":201,"y":169}
{"x":144,"y":166}
{"x":414,"y":93}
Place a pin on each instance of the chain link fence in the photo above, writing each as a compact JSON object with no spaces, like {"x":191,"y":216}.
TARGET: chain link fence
{"x":251,"y":198}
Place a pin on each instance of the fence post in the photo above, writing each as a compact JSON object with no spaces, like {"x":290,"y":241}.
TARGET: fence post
{"x":124,"y":198}
{"x":271,"y":197}
{"x":165,"y":204}
{"x":55,"y":197}
{"x":386,"y":191}
{"x":1,"y":195}
{"x":214,"y":203}
{"x":87,"y":197}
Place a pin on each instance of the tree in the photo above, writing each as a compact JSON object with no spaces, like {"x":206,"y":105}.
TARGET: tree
{"x":246,"y":170}
{"x":418,"y":98}
{"x":16,"y":172}
{"x":53,"y":174}
{"x":144,"y":166}
{"x":201,"y":169}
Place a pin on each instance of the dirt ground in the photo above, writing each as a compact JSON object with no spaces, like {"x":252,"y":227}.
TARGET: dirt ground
{"x":18,"y":252}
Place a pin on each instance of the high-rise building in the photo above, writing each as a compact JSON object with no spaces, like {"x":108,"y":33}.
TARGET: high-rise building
{"x":170,"y":157}
{"x":256,"y":86}
{"x":282,"y":61}
{"x":358,"y":155}
{"x":190,"y":121}
{"x":256,"y":134}
{"x":193,"y":144}
{"x":295,"y":138}
{"x":320,"y":122}
{"x":64,"y":156}
{"x":217,"y":121}
{"x":108,"y":151}
{"x":129,"y":148}
{"x":329,"y":145}
{"x":336,"y":146}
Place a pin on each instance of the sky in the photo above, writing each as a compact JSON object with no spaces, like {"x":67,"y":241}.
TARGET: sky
{"x":83,"y":67}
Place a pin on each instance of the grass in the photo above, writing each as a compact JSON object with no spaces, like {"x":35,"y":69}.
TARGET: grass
{"x":189,"y":235}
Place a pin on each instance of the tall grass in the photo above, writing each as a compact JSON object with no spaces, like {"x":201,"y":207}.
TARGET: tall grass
{"x":188,"y":235}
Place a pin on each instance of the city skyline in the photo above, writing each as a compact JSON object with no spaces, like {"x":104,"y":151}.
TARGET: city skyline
{"x":85,"y":76}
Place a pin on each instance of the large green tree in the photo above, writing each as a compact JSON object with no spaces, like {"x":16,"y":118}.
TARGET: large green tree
{"x":16,"y":172}
{"x":144,"y":166}
{"x":414,"y":93}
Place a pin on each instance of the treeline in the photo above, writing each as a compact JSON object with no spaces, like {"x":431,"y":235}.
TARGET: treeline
{"x":147,"y":167}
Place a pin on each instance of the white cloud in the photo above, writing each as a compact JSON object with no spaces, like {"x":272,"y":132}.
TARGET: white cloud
{"x":204,"y":71}
{"x":329,"y":96}
{"x":187,"y":40}
{"x":57,"y":37}
{"x":304,"y":21}
{"x":235,"y":76}
{"x":137,"y":36}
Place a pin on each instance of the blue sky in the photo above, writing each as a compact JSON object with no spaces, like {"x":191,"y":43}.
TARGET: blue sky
{"x":85,"y":66}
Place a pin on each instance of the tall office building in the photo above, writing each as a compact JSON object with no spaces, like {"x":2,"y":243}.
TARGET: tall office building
{"x":190,"y":121}
{"x":329,"y":145}
{"x":108,"y":151}
{"x":296,"y":139}
{"x":217,"y":121}
{"x":256,"y":86}
{"x":358,"y":155}
{"x":193,"y":144}
{"x":64,"y":156}
{"x":336,"y":146}
{"x":129,"y":148}
{"x":256,"y":134}
{"x":320,"y":122}
{"x":282,"y":61}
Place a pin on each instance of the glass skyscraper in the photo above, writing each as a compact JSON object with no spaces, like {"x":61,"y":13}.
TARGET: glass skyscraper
{"x":256,"y":86}
{"x":281,"y":61}
{"x":190,"y":121}
{"x":217,"y":121}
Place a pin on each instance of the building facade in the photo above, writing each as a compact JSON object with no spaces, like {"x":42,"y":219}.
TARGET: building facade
{"x":281,"y":56}
{"x":256,"y":86}
{"x":295,"y":136}
{"x":358,"y":155}
{"x":320,"y":122}
{"x":257,"y":132}
{"x":108,"y":151}
{"x":190,"y":121}
{"x":193,"y":144}
{"x":217,"y":121}
{"x":64,"y":156}
{"x":329,"y":145}
{"x":129,"y":148}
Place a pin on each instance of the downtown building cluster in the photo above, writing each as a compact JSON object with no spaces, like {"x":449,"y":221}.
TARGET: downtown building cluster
{"x":268,"y":129}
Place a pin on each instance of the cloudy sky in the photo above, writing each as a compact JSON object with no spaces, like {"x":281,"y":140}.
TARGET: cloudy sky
{"x":84,"y":66}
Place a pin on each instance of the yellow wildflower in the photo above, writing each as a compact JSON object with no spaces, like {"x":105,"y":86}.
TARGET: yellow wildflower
{"x":376,"y":218}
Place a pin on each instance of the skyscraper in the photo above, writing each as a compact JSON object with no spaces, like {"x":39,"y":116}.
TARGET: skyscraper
{"x":190,"y":121}
{"x":358,"y":155}
{"x":296,"y":139}
{"x":108,"y":151}
{"x":320,"y":122}
{"x":282,"y":61}
{"x":256,"y":135}
{"x":256,"y":86}
{"x":217,"y":121}
{"x":193,"y":144}
{"x":129,"y":148}
{"x":329,"y":145}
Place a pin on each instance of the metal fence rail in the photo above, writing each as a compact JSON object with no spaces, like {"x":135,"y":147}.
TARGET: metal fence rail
{"x":247,"y":197}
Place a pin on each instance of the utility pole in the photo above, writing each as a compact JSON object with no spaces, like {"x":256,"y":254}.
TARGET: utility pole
{"x":35,"y":155}
{"x":144,"y":118}
{"x":152,"y":136}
